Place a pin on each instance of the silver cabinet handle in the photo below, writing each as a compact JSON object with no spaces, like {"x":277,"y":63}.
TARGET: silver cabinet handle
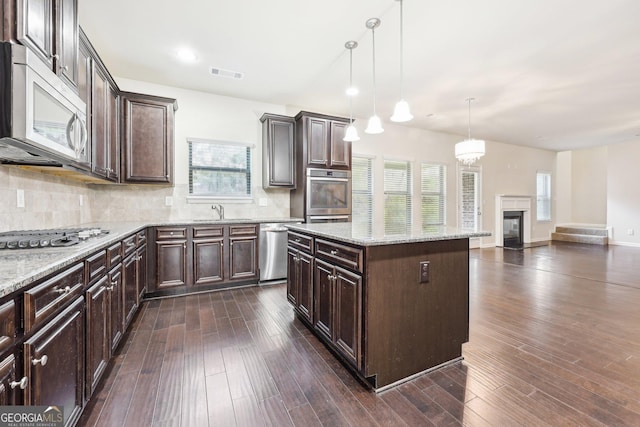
{"x":130,"y":244}
{"x":333,"y":252}
{"x":109,"y":288}
{"x":43,"y":360}
{"x":64,"y":290}
{"x":297,"y":240}
{"x":24,"y":381}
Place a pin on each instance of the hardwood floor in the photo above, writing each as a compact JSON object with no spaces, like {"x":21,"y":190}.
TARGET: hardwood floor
{"x":554,"y":340}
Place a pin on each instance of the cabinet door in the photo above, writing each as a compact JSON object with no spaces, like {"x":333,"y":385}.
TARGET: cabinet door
{"x":67,"y":41}
{"x":305,"y":285}
{"x":98,"y":345}
{"x":113,"y":139}
{"x":148,"y":138}
{"x":293,"y":276}
{"x":323,"y":292}
{"x":340,"y":151}
{"x":348,"y":309}
{"x":35,"y":27}
{"x":171,"y":264}
{"x":279,"y":159}
{"x":99,"y":121}
{"x":7,"y":325}
{"x":116,"y":307}
{"x":208,"y":261}
{"x":84,"y":81}
{"x":130,"y":284}
{"x":317,"y":142}
{"x":142,"y":272}
{"x":243,"y":259}
{"x":9,"y":387}
{"x":54,"y":363}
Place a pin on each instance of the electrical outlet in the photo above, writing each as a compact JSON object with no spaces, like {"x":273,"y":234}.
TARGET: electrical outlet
{"x":20,"y":198}
{"x":630,"y":231}
{"x":424,"y":271}
{"x":168,"y":201}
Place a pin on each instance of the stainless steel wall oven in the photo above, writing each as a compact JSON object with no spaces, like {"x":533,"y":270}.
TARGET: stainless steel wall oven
{"x":328,"y":193}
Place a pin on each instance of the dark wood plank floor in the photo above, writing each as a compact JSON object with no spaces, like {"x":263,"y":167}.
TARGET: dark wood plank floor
{"x":554,"y":340}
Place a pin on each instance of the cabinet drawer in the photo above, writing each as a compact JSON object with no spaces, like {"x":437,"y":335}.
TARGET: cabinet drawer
{"x":346,"y":256}
{"x":45,"y":299}
{"x":243,"y":230}
{"x":141,"y":237}
{"x":300,"y":241}
{"x":7,"y":325}
{"x":164,"y":233}
{"x":208,"y":231}
{"x":129,"y":245}
{"x":96,"y":266}
{"x":114,"y":255}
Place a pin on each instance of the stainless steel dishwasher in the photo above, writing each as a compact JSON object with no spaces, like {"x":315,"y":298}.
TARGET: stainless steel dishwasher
{"x":273,"y":252}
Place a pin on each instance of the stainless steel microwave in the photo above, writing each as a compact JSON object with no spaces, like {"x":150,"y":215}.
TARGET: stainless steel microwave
{"x":42,"y":121}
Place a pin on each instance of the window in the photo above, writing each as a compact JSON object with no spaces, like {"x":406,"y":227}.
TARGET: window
{"x":397,"y":197}
{"x":469,"y":198}
{"x":543,"y":199}
{"x":219,"y":169}
{"x":362,"y":194}
{"x":433,"y":200}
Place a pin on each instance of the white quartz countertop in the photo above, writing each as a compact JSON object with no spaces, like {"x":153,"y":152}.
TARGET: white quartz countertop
{"x":356,"y":234}
{"x":21,"y":267}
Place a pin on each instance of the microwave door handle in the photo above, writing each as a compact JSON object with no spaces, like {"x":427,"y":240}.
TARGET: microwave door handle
{"x":84,"y":133}
{"x":70,"y":124}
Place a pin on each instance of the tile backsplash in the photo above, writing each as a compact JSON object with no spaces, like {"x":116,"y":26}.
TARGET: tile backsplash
{"x":52,"y":201}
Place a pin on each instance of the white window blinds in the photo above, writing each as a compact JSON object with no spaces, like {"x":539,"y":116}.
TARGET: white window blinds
{"x":397,"y":197}
{"x":362,"y":194}
{"x":433,"y":196}
{"x":543,"y":199}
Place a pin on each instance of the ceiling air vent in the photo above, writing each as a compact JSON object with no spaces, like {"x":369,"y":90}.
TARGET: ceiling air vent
{"x":221,"y":72}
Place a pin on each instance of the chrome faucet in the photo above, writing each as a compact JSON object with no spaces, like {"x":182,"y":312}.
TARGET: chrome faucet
{"x":220,"y":209}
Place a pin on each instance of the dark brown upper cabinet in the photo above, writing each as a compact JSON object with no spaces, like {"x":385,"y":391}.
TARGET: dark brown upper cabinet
{"x":278,"y":152}
{"x":319,"y":138}
{"x":147,"y":138}
{"x":50,"y":29}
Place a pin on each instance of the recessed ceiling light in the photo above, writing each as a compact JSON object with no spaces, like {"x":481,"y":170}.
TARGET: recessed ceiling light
{"x":187,"y":55}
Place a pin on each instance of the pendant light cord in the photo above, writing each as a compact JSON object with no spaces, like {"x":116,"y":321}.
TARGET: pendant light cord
{"x":401,"y":53}
{"x":350,"y":85}
{"x":469,"y":100}
{"x":373,"y":39}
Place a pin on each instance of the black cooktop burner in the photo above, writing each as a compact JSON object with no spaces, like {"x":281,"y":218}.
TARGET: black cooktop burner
{"x":32,"y":239}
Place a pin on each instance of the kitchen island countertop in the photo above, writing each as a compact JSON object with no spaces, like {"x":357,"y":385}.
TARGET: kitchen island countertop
{"x":349,"y":232}
{"x":21,"y":267}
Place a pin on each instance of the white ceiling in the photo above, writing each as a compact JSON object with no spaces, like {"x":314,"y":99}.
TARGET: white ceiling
{"x":555,"y":74}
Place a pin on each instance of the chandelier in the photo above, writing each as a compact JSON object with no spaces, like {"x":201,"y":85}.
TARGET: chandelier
{"x":469,"y":150}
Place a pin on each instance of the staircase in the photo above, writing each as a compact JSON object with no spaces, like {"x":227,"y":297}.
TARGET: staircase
{"x":581,"y":234}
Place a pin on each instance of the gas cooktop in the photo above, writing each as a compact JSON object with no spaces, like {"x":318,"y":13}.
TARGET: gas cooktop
{"x":59,"y":237}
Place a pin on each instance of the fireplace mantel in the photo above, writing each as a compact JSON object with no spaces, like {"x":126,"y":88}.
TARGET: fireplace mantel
{"x":506,"y":202}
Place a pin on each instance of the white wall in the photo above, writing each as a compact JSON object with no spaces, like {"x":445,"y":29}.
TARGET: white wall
{"x":563,"y":196}
{"x":623,"y":192}
{"x":589,"y":186}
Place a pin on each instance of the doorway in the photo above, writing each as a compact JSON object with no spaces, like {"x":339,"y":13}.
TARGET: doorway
{"x":469,"y":197}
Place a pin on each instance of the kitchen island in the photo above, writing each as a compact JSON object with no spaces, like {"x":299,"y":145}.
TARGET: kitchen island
{"x":390,"y":307}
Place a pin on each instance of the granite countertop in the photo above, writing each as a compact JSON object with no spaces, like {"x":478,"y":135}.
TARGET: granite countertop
{"x":21,"y":267}
{"x":353,"y":233}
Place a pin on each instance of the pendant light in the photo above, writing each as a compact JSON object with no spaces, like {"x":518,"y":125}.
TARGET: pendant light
{"x":351,"y":133}
{"x":469,"y":150}
{"x":401,"y":112}
{"x":374,"y":125}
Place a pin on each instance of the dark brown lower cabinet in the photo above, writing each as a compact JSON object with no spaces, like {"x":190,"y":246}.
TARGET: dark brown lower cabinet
{"x":243,"y":257}
{"x":171,"y":263}
{"x":116,"y":307}
{"x":130,"y":279}
{"x":53,"y":360}
{"x":98,"y":345}
{"x":142,"y":271}
{"x":338,"y":308}
{"x":300,"y":282}
{"x":208,"y":261}
{"x":10,"y":387}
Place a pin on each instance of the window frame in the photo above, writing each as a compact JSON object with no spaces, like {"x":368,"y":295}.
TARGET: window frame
{"x":544,"y":197}
{"x":205,"y":198}
{"x":442,"y":194}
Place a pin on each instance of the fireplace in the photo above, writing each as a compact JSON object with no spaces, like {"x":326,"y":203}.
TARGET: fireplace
{"x":512,"y":231}
{"x":505,"y":204}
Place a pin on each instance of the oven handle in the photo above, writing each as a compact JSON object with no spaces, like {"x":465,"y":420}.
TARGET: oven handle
{"x":329,"y":216}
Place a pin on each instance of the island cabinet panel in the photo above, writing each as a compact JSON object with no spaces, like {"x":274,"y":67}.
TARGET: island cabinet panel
{"x":323,"y":299}
{"x":412,"y":326}
{"x":53,"y":360}
{"x":98,"y":346}
{"x":348,"y":315}
{"x":116,"y":307}
{"x":7,"y":325}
